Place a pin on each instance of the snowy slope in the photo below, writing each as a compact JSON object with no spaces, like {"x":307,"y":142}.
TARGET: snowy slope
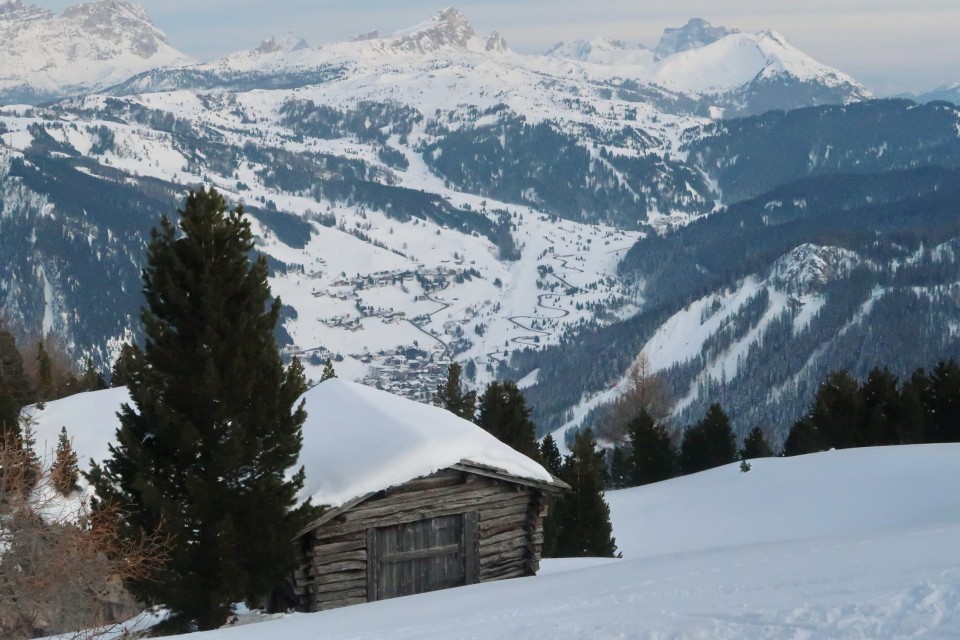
{"x":87,"y":47}
{"x":857,"y":544}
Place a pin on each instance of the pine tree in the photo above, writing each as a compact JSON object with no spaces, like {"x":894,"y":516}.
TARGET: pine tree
{"x":943,"y":402}
{"x":709,"y":443}
{"x":837,"y":412}
{"x":65,"y":470}
{"x":204,"y":450}
{"x":92,"y":379}
{"x":451,"y":397}
{"x":45,"y":387}
{"x":15,"y":389}
{"x":755,"y":445}
{"x":550,"y":455}
{"x":652,"y":457}
{"x":328,"y":372}
{"x":881,"y":419}
{"x":127,"y":363}
{"x":802,"y":439}
{"x":504,"y":413}
{"x":582,"y":515}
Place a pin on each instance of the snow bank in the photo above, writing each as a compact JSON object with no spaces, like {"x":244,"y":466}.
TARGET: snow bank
{"x":848,"y":492}
{"x":358,"y":439}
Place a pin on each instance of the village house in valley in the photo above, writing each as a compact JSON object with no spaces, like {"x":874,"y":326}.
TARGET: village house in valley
{"x":419,"y":500}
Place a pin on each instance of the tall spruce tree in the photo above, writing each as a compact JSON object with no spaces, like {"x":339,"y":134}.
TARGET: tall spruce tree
{"x":15,"y":388}
{"x":504,"y":413}
{"x":45,"y":388}
{"x":755,"y":445}
{"x":204,"y":450}
{"x":582,"y":515}
{"x":652,"y":457}
{"x":709,"y":443}
{"x":450,"y":395}
{"x":942,"y":400}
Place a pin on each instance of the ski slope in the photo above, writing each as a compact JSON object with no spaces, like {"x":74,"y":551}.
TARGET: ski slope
{"x":843,"y":544}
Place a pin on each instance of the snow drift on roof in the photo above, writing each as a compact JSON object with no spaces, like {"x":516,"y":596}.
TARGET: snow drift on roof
{"x":357,"y":440}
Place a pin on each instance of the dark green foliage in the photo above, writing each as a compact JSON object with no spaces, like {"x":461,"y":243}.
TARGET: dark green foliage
{"x":709,"y":443}
{"x":92,"y":380}
{"x":451,"y":397}
{"x":128,"y":362}
{"x":328,"y":371}
{"x":752,"y":155}
{"x":13,"y":380}
{"x":803,"y":438}
{"x":45,"y":388}
{"x":214,"y":426}
{"x":942,"y":401}
{"x":503,"y":412}
{"x":581,"y":515}
{"x":651,"y":456}
{"x":755,"y":445}
{"x":550,"y":455}
{"x":881,"y":418}
{"x":65,"y":471}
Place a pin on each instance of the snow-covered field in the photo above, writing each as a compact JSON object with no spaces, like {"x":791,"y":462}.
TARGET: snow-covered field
{"x":845,"y":544}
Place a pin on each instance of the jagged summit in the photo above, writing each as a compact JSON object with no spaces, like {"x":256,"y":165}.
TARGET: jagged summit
{"x":446,"y":29}
{"x":496,"y":43}
{"x":287,"y":43}
{"x":16,"y":10}
{"x":693,"y":35}
{"x":88,"y":46}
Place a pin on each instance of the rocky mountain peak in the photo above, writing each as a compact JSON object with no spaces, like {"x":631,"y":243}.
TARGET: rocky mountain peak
{"x":16,"y":11}
{"x":446,"y":29}
{"x":693,"y":35}
{"x":287,"y":43}
{"x":496,"y":43}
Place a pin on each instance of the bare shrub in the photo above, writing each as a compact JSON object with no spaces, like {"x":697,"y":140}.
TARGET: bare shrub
{"x":645,"y":390}
{"x":63,"y":567}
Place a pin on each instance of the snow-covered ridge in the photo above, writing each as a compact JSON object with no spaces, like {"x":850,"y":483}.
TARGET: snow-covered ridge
{"x":88,"y":46}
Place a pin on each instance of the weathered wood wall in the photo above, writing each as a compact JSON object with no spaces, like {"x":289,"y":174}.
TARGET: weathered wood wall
{"x":334,"y":569}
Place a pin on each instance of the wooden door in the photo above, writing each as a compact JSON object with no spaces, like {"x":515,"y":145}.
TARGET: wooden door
{"x":421,"y":556}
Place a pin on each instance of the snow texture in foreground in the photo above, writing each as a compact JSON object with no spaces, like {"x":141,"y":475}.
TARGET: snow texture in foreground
{"x":858,"y":544}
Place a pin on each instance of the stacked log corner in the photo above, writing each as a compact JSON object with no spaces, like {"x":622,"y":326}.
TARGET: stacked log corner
{"x":333,"y":568}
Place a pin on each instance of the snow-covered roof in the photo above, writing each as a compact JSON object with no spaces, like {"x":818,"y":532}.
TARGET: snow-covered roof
{"x":358,"y":440}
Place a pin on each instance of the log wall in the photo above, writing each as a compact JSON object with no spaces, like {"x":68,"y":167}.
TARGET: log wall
{"x":333,"y":569}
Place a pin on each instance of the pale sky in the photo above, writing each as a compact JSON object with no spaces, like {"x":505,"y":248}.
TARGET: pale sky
{"x":890,"y":46}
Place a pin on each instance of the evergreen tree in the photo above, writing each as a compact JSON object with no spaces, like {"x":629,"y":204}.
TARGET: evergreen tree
{"x":942,"y":400}
{"x":504,"y":414}
{"x":837,"y":412}
{"x":755,"y":445}
{"x":45,"y":388}
{"x":550,"y":455}
{"x":92,"y":379}
{"x":881,"y":417}
{"x":65,"y":470}
{"x":912,"y":408}
{"x":328,"y":371}
{"x":620,"y":471}
{"x":127,"y":363}
{"x":802,"y":439}
{"x":214,"y":426}
{"x":15,"y":388}
{"x":582,"y":516}
{"x":451,"y":397}
{"x":709,"y":443}
{"x":652,"y":457}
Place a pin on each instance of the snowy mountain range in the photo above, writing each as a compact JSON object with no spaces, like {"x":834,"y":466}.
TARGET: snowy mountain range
{"x":432,"y":195}
{"x":88,"y":47}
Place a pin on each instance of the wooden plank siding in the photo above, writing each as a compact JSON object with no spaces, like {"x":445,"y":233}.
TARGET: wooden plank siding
{"x":453,"y":527}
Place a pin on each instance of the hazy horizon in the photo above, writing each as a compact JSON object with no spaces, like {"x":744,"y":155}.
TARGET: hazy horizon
{"x":887,"y":47}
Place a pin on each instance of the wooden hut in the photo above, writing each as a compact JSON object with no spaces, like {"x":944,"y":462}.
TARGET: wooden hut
{"x":423,"y":501}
